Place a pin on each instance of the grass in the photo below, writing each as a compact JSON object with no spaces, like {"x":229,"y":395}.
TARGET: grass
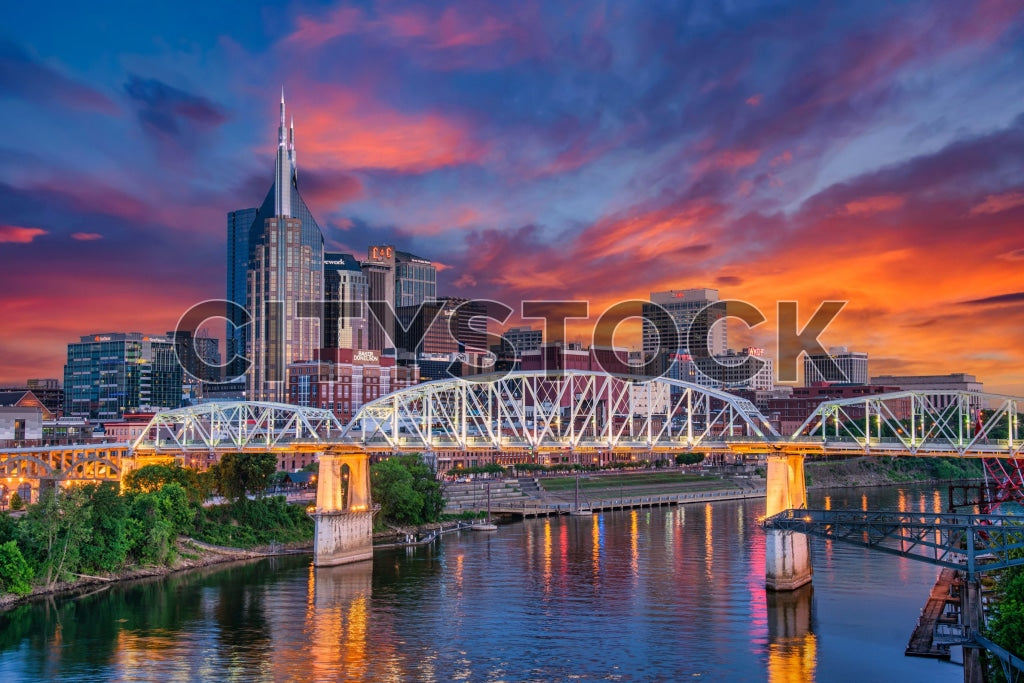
{"x":624,"y":481}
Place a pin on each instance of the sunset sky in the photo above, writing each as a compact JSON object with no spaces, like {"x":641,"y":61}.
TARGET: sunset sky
{"x":537,"y":150}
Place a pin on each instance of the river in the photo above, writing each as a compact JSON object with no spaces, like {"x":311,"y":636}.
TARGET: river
{"x":653,"y":595}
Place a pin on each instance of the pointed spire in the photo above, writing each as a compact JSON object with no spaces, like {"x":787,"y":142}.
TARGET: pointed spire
{"x":285,"y":168}
{"x":291,"y":150}
{"x":282,"y":140}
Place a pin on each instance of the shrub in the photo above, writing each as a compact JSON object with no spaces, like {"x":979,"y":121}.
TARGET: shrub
{"x":15,"y":574}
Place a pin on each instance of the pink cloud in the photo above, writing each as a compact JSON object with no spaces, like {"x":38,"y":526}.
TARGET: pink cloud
{"x":16,"y":234}
{"x":342,"y":128}
{"x":754,"y":100}
{"x":312,"y":32}
{"x":872,"y":205}
{"x":995,"y":203}
{"x":86,"y":236}
{"x":728,"y":160}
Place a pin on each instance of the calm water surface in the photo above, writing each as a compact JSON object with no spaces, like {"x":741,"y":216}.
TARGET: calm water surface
{"x":654,"y":595}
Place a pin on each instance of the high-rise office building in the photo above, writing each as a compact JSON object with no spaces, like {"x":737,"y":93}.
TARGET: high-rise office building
{"x":284,"y":254}
{"x":697,"y":316}
{"x":523,"y":338}
{"x":415,"y":280}
{"x":111,"y":373}
{"x":379,"y":269}
{"x":345,"y":296}
{"x":839,"y":366}
{"x":239,"y":224}
{"x":395,"y":279}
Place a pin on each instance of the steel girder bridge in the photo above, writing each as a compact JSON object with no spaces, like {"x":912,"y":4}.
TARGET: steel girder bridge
{"x":572,"y":411}
{"x":969,"y":543}
{"x":933,"y":423}
{"x":565,"y":411}
{"x":239,"y":426}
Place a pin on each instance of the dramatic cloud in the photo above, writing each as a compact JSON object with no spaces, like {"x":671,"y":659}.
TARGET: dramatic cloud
{"x":999,"y":202}
{"x":1011,"y":298}
{"x":868,"y":152}
{"x":16,"y":234}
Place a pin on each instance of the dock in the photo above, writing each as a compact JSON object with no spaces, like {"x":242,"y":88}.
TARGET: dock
{"x":536,"y":508}
{"x":922,"y":640}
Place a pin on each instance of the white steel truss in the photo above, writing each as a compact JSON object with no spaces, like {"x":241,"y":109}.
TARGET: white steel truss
{"x":926,"y":422}
{"x":240,"y":425}
{"x":567,"y":410}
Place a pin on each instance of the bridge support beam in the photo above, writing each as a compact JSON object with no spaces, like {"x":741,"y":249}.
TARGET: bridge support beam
{"x":787,"y":553}
{"x":344,"y":511}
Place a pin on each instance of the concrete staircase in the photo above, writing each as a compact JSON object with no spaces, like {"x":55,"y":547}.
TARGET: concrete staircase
{"x":472,"y":495}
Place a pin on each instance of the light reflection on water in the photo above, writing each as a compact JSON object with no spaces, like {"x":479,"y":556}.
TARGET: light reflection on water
{"x":663,"y":594}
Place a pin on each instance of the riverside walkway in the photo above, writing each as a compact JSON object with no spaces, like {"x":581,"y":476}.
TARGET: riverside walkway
{"x":538,"y":508}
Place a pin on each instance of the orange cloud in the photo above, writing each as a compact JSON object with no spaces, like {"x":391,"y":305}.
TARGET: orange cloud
{"x":872,"y":205}
{"x":343,"y":129}
{"x":16,"y":234}
{"x":650,"y":234}
{"x":995,"y":203}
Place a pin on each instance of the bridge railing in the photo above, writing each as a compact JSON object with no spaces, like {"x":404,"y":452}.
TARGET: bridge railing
{"x":972,"y":543}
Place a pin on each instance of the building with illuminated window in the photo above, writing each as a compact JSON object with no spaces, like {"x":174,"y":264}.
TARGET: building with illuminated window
{"x":694,"y":315}
{"x":345,"y":295}
{"x":346,"y":380}
{"x":838,"y":366}
{"x":395,"y":279}
{"x":112,"y":373}
{"x":750,"y":368}
{"x":284,"y":271}
{"x":523,"y":339}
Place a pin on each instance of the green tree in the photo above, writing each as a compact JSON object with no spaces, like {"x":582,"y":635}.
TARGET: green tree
{"x":8,"y":528}
{"x":54,"y":531}
{"x":159,"y":517}
{"x":15,"y":574}
{"x":689,"y":458}
{"x":391,"y":485}
{"x":1006,"y":625}
{"x":239,"y":473}
{"x":111,"y":532}
{"x":406,"y":489}
{"x":16,"y":502}
{"x":152,"y":477}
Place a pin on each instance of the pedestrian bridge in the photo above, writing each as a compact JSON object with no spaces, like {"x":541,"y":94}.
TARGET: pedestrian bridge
{"x":524,"y":414}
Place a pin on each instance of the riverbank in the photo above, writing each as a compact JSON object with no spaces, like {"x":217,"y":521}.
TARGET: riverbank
{"x":886,"y":471}
{"x":192,"y":554}
{"x":623,"y":490}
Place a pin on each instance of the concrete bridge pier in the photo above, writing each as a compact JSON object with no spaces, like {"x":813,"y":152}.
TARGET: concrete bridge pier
{"x":344,"y":511}
{"x":787,"y":553}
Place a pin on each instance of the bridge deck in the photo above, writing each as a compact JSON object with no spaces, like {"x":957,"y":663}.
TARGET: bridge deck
{"x":922,"y":640}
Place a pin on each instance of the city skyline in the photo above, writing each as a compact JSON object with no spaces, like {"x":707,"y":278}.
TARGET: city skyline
{"x":868,"y":154}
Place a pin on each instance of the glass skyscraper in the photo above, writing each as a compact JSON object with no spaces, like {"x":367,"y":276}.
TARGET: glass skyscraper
{"x":345,"y":294}
{"x":283,"y":251}
{"x":111,"y":373}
